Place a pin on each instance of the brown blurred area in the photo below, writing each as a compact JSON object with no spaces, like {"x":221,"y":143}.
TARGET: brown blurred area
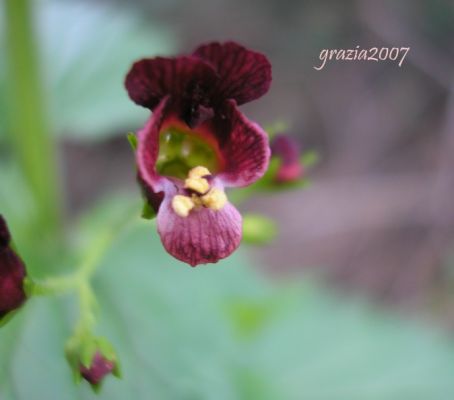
{"x":379,"y":216}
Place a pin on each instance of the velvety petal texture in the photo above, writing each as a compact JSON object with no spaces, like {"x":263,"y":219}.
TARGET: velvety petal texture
{"x":181,"y":78}
{"x":12,"y":274}
{"x":148,"y":149}
{"x":245,"y":75}
{"x":205,"y":236}
{"x":246,"y":149}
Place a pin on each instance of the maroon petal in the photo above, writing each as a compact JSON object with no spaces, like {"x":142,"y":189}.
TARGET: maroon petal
{"x":12,"y":274}
{"x":245,"y":147}
{"x":204,"y":236}
{"x":245,"y":75}
{"x":148,"y":150}
{"x":150,"y":80}
{"x":154,"y":199}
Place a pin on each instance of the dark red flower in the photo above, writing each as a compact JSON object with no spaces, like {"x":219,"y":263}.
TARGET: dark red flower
{"x":99,"y":368}
{"x":287,"y":150}
{"x":12,"y":274}
{"x":197,"y":142}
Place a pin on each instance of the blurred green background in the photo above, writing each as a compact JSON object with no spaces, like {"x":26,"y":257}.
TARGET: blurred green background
{"x":353,"y":300}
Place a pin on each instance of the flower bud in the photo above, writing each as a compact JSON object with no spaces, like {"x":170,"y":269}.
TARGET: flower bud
{"x":92,"y":359}
{"x":287,"y":150}
{"x":12,"y":274}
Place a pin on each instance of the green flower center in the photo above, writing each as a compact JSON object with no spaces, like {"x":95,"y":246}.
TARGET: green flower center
{"x":181,"y":151}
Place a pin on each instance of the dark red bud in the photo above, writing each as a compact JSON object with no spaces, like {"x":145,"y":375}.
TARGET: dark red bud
{"x":289,"y":172}
{"x":12,"y":274}
{"x":99,"y":368}
{"x":287,"y":149}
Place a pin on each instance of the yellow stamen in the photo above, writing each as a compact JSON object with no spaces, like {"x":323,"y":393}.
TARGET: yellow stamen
{"x":182,"y":205}
{"x":199,"y":185}
{"x":196,"y":200}
{"x":215,"y":199}
{"x":198,"y":172}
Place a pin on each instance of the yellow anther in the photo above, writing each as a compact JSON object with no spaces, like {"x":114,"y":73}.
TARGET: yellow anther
{"x":198,"y":172}
{"x":215,"y":199}
{"x":199,"y":185}
{"x":182,"y":205}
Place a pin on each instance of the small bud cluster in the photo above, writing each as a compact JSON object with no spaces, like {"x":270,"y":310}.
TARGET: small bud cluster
{"x":92,"y":359}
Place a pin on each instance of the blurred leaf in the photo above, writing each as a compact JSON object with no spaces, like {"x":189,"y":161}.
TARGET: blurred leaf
{"x":179,"y":333}
{"x":258,"y":229}
{"x":248,"y":318}
{"x":87,"y":49}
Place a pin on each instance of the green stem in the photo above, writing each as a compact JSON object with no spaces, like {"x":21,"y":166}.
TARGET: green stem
{"x":79,"y":281}
{"x":53,"y":286}
{"x":87,"y":306}
{"x":29,"y":127}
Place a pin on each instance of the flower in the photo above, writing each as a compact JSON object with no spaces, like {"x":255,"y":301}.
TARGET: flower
{"x":286,"y":148}
{"x":12,"y":274}
{"x":98,"y":369}
{"x":197,"y":143}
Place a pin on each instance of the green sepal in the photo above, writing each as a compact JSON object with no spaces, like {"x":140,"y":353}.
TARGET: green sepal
{"x":108,"y":352}
{"x":72,"y":356}
{"x":80,"y":351}
{"x":258,"y":229}
{"x":96,"y":387}
{"x":87,"y":351}
{"x":148,"y":212}
{"x":77,"y":377}
{"x":132,"y":139}
{"x":106,"y":349}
